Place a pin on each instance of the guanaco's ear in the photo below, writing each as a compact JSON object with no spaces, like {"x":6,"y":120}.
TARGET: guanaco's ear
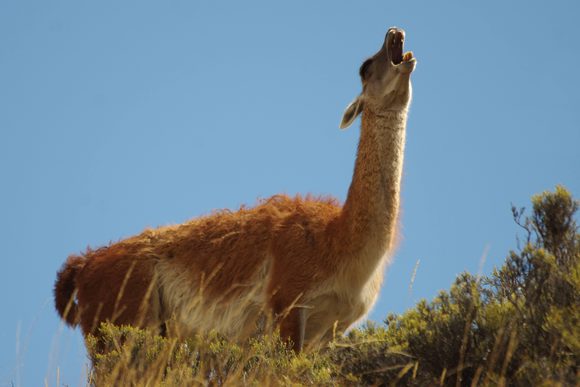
{"x":352,"y":111}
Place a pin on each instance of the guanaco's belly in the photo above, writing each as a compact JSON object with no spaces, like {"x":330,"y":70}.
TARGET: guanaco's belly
{"x":193,"y":307}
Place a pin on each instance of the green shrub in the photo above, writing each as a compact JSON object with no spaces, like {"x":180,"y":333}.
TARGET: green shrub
{"x":518,"y":326}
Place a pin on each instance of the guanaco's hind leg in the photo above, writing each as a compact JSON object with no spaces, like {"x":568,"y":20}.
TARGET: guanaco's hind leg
{"x":293,"y":327}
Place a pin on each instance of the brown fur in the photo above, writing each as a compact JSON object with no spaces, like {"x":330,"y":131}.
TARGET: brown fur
{"x":65,"y":289}
{"x":113,"y":282}
{"x":311,"y":264}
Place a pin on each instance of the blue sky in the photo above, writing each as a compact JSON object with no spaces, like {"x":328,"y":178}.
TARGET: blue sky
{"x":116,"y":116}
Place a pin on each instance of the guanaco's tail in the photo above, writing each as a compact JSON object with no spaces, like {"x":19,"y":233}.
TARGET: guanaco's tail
{"x":65,"y":289}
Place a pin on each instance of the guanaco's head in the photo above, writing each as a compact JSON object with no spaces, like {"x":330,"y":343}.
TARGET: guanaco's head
{"x":386,"y":79}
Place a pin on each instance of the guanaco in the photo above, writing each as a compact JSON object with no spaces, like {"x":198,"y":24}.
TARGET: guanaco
{"x":314,"y":266}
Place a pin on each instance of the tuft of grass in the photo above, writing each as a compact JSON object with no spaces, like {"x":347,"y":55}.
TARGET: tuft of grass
{"x":518,"y":326}
{"x":130,"y":356}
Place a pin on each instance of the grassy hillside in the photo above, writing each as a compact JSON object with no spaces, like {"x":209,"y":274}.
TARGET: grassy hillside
{"x":518,"y":326}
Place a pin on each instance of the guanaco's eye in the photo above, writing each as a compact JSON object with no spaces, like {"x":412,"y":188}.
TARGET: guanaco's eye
{"x":364,"y":69}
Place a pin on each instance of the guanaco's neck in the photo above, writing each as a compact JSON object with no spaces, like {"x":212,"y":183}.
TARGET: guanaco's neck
{"x":369,"y":215}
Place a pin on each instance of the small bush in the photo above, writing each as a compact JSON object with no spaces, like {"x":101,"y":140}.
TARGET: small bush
{"x":130,"y":356}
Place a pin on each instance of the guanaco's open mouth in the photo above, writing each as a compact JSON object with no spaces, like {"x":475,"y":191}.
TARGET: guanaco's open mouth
{"x":395,"y":42}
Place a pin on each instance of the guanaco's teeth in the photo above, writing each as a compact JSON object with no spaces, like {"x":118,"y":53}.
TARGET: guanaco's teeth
{"x":408,"y":56}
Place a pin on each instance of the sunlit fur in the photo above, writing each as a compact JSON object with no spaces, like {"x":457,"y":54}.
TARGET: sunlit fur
{"x":310,"y":265}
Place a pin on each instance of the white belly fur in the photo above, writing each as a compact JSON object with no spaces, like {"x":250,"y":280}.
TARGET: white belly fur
{"x":189,"y":311}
